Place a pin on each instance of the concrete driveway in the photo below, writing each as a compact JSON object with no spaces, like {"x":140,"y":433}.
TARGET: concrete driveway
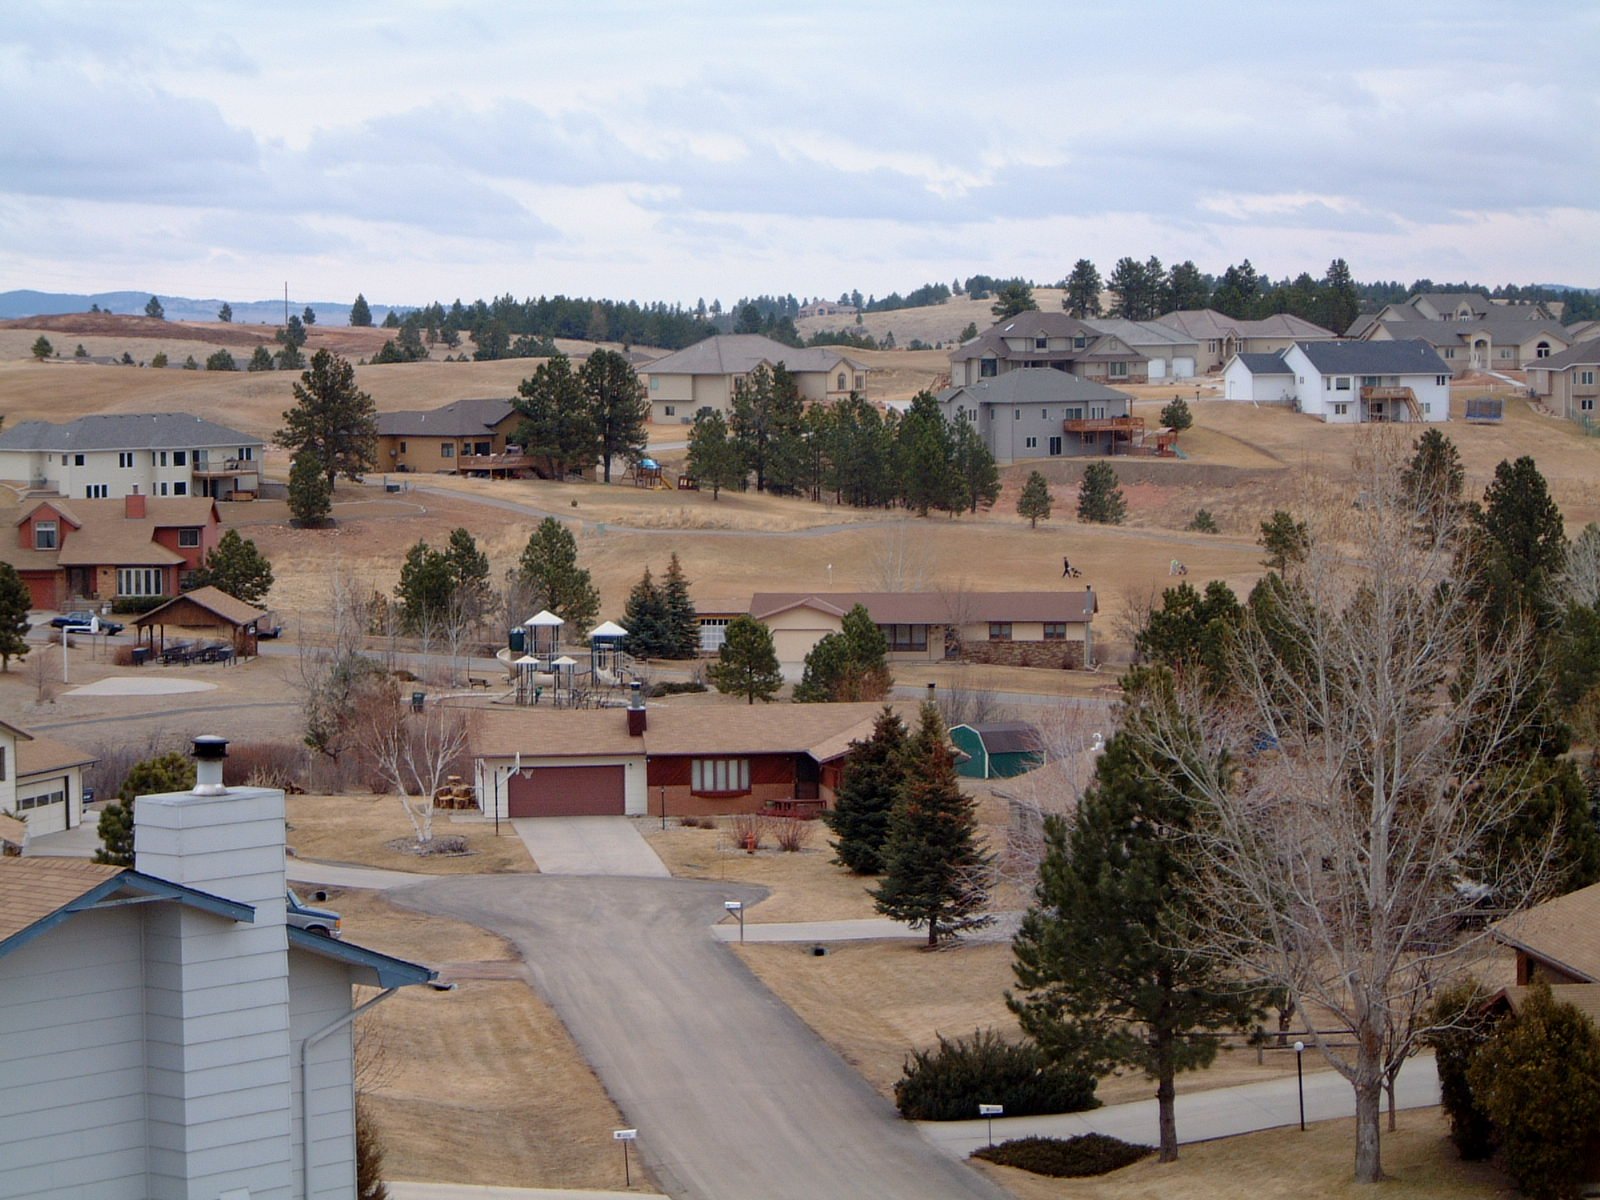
{"x":733,"y":1095}
{"x":588,"y":846}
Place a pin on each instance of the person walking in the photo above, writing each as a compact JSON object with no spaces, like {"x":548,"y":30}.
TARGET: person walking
{"x":1066,"y":567}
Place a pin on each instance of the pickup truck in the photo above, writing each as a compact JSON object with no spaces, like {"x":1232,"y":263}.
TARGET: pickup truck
{"x":81,"y":620}
{"x":313,"y":920}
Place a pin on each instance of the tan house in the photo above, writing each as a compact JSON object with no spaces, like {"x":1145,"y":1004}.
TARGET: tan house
{"x":445,"y":440}
{"x":703,"y":376}
{"x":138,"y":546}
{"x":1047,"y":339}
{"x":1557,"y":941}
{"x":1449,"y":306}
{"x":1567,"y":381}
{"x":1218,"y":337}
{"x":1470,"y":331}
{"x":41,"y":781}
{"x":1023,"y":629}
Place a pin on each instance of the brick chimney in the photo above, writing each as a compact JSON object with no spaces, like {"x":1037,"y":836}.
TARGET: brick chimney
{"x":636,"y":717}
{"x":133,"y":505}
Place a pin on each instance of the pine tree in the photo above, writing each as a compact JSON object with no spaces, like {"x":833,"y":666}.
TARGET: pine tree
{"x":977,"y":477}
{"x":767,"y":411}
{"x":618,"y":407}
{"x":1034,"y":502}
{"x":361,"y":312}
{"x":644,"y":617}
{"x":469,"y":574}
{"x":332,"y":418}
{"x":549,"y":568}
{"x":1286,"y":541}
{"x":935,"y":874}
{"x":423,"y":593}
{"x":1099,"y":498}
{"x":1434,"y":475}
{"x":236,"y":566}
{"x":1186,"y":289}
{"x":153,"y":309}
{"x":714,"y":460}
{"x":225,"y":313}
{"x":872,"y":777}
{"x":848,"y":666}
{"x":309,"y":317}
{"x":260,"y":360}
{"x":1520,"y":547}
{"x":1102,"y":980}
{"x":558,"y":425}
{"x":682,"y":621}
{"x":310,"y":496}
{"x":1013,"y":298}
{"x":42,"y":349}
{"x":924,"y":458}
{"x":747,"y":664}
{"x":14,"y":604}
{"x":172,"y":772}
{"x":1175,"y":414}
{"x":1083,"y":290}
{"x":1341,"y":304}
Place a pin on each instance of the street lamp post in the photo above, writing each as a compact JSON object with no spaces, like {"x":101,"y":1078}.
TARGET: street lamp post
{"x":1300,"y":1076}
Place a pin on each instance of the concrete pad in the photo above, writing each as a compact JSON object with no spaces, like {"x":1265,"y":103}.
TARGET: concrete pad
{"x":467,"y":1191}
{"x":300,"y":870}
{"x":588,"y":846}
{"x":140,"y":685}
{"x":81,"y":841}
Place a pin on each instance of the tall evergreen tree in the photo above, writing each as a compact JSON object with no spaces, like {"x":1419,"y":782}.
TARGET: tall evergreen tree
{"x":747,"y":664}
{"x":1434,"y":475}
{"x":1103,"y":981}
{"x":1519,"y":545}
{"x":236,"y":566}
{"x":935,"y":873}
{"x":1341,"y":304}
{"x":1136,"y":292}
{"x":309,"y":316}
{"x":332,"y":419}
{"x":549,"y":569}
{"x":558,"y":424}
{"x":260,"y":360}
{"x":1083,"y":290}
{"x":14,"y":604}
{"x":425,"y":587}
{"x":682,"y":638}
{"x":645,"y":618}
{"x":1013,"y":298}
{"x":767,"y":414}
{"x":1100,"y":500}
{"x":1186,"y":289}
{"x":924,"y":458}
{"x":361,"y":312}
{"x":42,"y":349}
{"x":225,"y":313}
{"x":1286,"y":541}
{"x":1034,"y":502}
{"x":714,"y":459}
{"x":153,"y":308}
{"x":977,"y":477}
{"x":1191,"y":631}
{"x":469,"y":574}
{"x":873,"y":774}
{"x":172,"y":772}
{"x":618,"y":407}
{"x":310,"y":493}
{"x":847,"y":666}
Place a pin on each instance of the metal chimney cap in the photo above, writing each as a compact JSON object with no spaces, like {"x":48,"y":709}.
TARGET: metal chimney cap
{"x":209,"y":746}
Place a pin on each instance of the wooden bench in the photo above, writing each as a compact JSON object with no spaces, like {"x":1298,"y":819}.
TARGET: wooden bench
{"x":474,"y":682}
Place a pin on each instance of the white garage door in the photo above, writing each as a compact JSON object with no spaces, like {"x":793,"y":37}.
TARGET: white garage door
{"x":1158,"y":368}
{"x":1183,"y":368}
{"x":44,"y":807}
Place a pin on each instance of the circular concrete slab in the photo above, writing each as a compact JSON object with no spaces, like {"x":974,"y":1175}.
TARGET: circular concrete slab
{"x":140,"y":685}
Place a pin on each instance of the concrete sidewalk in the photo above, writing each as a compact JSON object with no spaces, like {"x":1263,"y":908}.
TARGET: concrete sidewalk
{"x":467,"y":1191}
{"x":301,"y":870}
{"x":861,"y":930}
{"x":1201,"y":1116}
{"x":589,"y":846}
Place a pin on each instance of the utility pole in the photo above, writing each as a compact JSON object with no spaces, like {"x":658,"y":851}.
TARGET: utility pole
{"x":286,"y":304}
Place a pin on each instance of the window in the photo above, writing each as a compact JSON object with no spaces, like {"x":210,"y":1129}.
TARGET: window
{"x":189,"y":539}
{"x":1341,"y":410}
{"x":162,"y":458}
{"x":44,"y":535}
{"x":1586,"y":378}
{"x":1441,"y":381}
{"x":180,"y":458}
{"x":1055,"y":446}
{"x":125,"y":460}
{"x":1341,"y":383}
{"x":77,"y":460}
{"x":999,"y":631}
{"x":1587,"y":404}
{"x":163,"y":490}
{"x":1449,"y":351}
{"x":1370,"y":381}
{"x":713,"y":633}
{"x":246,"y":453}
{"x":861,"y":381}
{"x":447,"y":450}
{"x":1044,"y":414}
{"x":2,"y":764}
{"x":63,"y":460}
{"x":1040,"y":343}
{"x":1119,"y":370}
{"x":1031,"y":443}
{"x":402,"y":447}
{"x":719,"y":776}
{"x":1504,"y":352}
{"x":655,"y":383}
{"x":905,"y":637}
{"x":483,"y":448}
{"x":140,"y":581}
{"x":1016,"y":414}
{"x":1078,"y":343}
{"x":97,"y":491}
{"x":988,"y":368}
{"x":1427,"y":408}
{"x":1055,"y":631}
{"x":180,"y":489}
{"x":841,"y":382}
{"x":1542,"y":350}
{"x":1212,"y":346}
{"x":670,"y":410}
{"x":1075,"y":413}
{"x":24,"y":803}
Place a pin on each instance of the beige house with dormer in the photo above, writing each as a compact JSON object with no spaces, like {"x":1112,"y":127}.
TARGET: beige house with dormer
{"x":703,"y":377}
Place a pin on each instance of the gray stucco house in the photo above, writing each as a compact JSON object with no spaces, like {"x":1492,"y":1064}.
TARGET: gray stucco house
{"x":1040,"y":412}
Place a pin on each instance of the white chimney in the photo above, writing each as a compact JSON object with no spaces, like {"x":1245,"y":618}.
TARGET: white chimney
{"x":231,"y":1064}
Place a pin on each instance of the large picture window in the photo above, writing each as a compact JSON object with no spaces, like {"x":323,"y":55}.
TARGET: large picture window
{"x":719,"y":776}
{"x":905,"y":637}
{"x":140,"y":581}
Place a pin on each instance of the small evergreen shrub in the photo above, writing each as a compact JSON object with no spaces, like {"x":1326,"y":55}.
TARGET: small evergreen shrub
{"x":1460,"y":1028}
{"x":137,"y":604}
{"x":675,"y":687}
{"x":1065,"y":1158}
{"x":1203,"y":522}
{"x":948,"y":1083}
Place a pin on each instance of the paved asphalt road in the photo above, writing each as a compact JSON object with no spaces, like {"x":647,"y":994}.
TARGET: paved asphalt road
{"x":734,"y":1097}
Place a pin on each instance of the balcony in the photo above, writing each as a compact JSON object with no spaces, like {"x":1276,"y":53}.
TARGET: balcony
{"x":206,"y":468}
{"x":1123,"y":426}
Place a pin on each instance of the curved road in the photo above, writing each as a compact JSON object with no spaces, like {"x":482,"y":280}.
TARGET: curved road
{"x":735,"y":1098}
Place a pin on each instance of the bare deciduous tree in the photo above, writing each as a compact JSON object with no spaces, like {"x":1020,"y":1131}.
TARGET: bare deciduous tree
{"x":414,"y":752}
{"x":1349,"y":779}
{"x":901,"y":562}
{"x":1070,"y":738}
{"x":1582,"y":581}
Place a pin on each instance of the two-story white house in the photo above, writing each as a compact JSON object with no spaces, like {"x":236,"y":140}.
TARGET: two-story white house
{"x":1348,"y":383}
{"x":111,"y":455}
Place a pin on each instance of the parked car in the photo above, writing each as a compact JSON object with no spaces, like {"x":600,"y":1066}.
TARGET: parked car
{"x":313,"y":920}
{"x":269,"y":626}
{"x":81,"y":620}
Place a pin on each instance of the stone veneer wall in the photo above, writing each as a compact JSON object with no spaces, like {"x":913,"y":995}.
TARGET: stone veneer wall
{"x":1067,"y":656}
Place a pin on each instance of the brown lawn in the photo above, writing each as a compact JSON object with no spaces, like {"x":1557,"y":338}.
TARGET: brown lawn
{"x":359,"y":830}
{"x":1284,"y":1164}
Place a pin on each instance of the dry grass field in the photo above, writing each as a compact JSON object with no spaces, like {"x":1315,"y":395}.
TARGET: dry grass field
{"x":359,"y":830}
{"x":933,"y":323}
{"x":1284,"y":1164}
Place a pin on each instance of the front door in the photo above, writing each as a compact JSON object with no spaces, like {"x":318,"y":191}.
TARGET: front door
{"x":1055,"y":447}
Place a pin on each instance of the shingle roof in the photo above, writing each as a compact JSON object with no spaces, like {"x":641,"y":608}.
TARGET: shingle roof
{"x":1411,"y":357}
{"x":41,"y":755}
{"x":1564,"y":932}
{"x":1585,"y":354}
{"x":13,"y":830}
{"x":1264,"y":364}
{"x":1033,"y":385}
{"x":461,"y":418}
{"x":212,"y":600}
{"x":1140,"y":333}
{"x":741,"y":353}
{"x":1040,"y":324}
{"x":1585,"y":997}
{"x":31,"y":889}
{"x":938,"y":608}
{"x":124,"y":431}
{"x":1206,"y":324}
{"x":1453,"y":333}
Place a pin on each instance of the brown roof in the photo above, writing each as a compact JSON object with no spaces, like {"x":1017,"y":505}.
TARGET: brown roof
{"x":31,"y":889}
{"x":823,"y":730}
{"x":937,"y":608}
{"x":212,"y":600}
{"x":44,"y":754}
{"x":1585,"y":997}
{"x":13,"y":829}
{"x":1564,"y":932}
{"x":105,"y":537}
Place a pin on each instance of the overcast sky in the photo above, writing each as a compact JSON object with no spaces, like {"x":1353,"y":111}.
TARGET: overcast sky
{"x":415,"y":151}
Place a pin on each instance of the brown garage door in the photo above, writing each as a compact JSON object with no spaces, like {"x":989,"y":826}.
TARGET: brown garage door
{"x":566,"y":792}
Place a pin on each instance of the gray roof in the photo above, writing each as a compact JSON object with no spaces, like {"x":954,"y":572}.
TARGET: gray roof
{"x":460,"y":418}
{"x":1208,"y":323}
{"x":1033,"y":385}
{"x":1008,"y":737}
{"x":1140,"y":333}
{"x":1584,"y":354}
{"x":124,"y":431}
{"x":741,"y":353}
{"x":992,"y":341}
{"x":1453,"y":333}
{"x":1410,"y":357}
{"x":1264,"y":364}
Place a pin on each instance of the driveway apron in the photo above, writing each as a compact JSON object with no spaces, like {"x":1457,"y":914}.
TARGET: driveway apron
{"x":588,"y":846}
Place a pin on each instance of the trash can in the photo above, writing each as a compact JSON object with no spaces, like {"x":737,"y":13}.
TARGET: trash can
{"x":519,"y":640}
{"x":417,"y":699}
{"x":139,"y":655}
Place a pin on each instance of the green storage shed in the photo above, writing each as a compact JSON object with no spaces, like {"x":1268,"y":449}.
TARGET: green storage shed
{"x":999,"y":750}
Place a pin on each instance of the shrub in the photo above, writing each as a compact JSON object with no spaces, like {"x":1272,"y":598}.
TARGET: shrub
{"x":1460,"y":1027}
{"x":948,"y":1084}
{"x":675,"y":687}
{"x":266,"y":764}
{"x":750,"y":830}
{"x":137,"y":604}
{"x":1203,"y":522}
{"x":369,"y":1157}
{"x":791,"y":834}
{"x":1075,"y":1157}
{"x":693,"y":822}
